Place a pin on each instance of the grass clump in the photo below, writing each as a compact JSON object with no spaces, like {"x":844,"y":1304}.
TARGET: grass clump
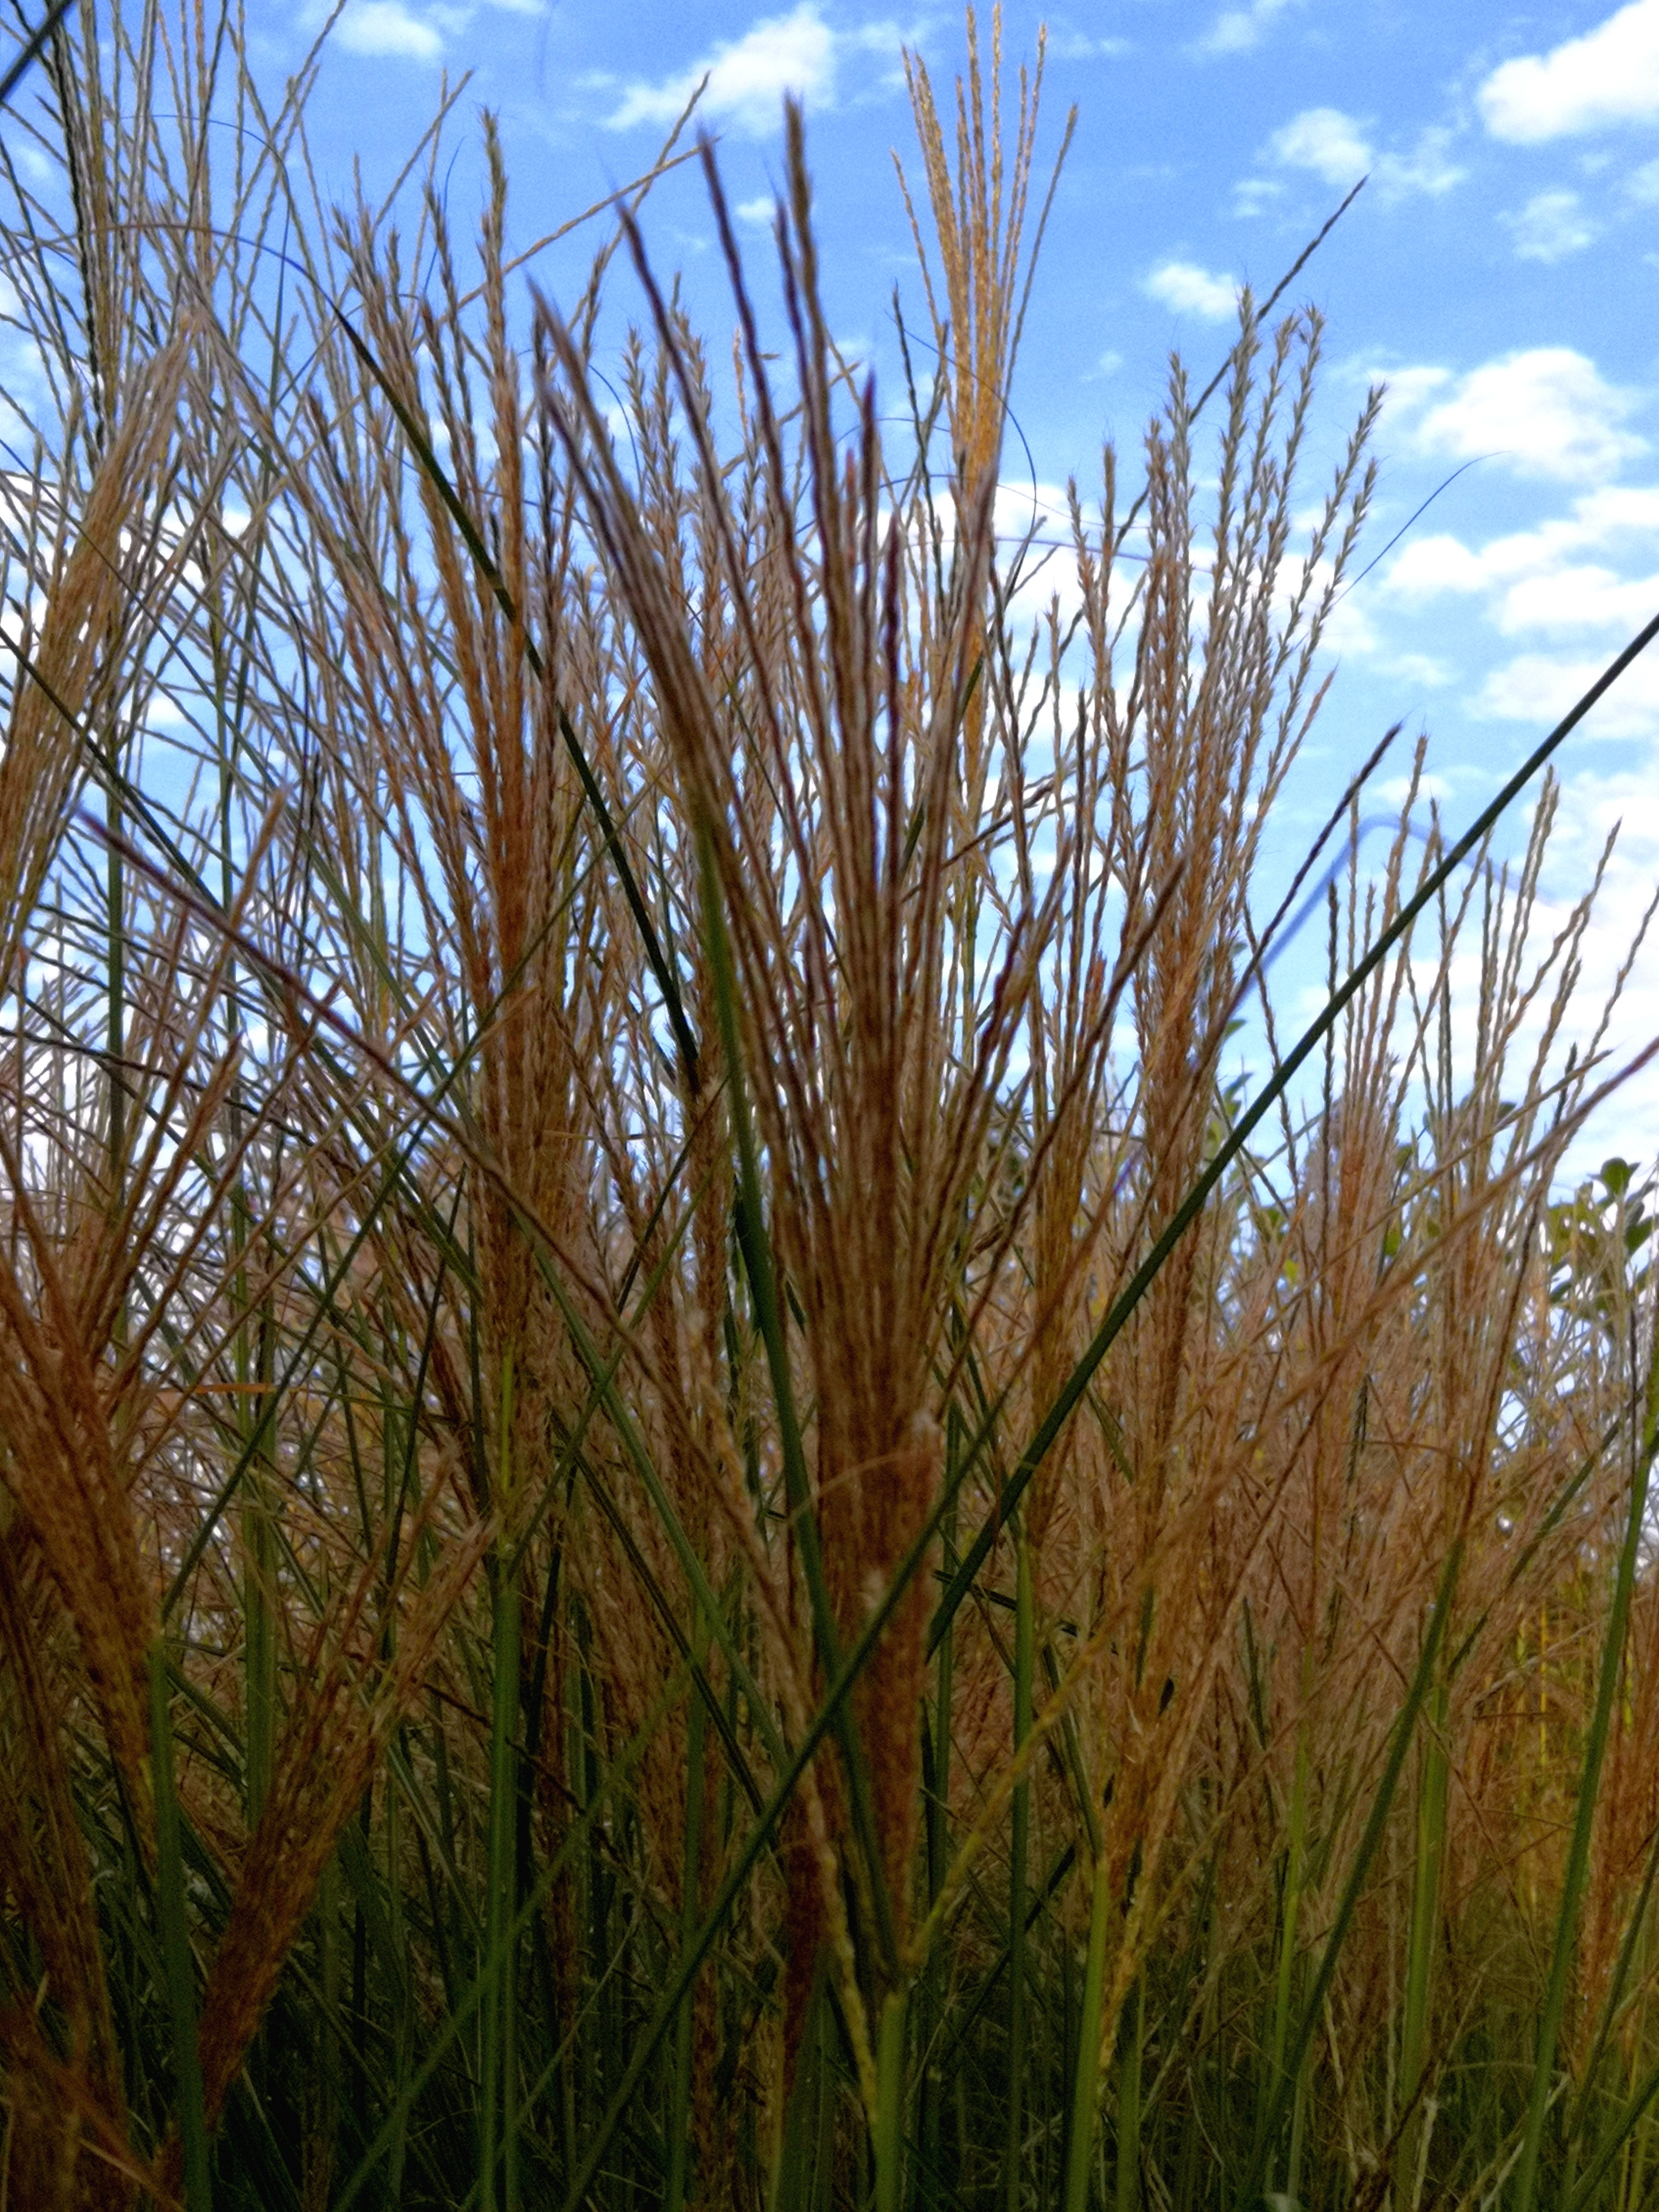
{"x":691,"y":1512}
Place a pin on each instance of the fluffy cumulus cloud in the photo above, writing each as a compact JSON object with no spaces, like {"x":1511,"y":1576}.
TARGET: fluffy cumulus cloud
{"x":1324,"y":140}
{"x":1237,"y":29}
{"x":1571,"y":601}
{"x":1538,"y":688}
{"x":1566,"y":591}
{"x":388,"y":28}
{"x":1429,"y":167}
{"x":1352,"y":633}
{"x":1082,"y":46}
{"x":1554,"y":601}
{"x":1608,"y":779}
{"x":1608,"y":75}
{"x":1190,"y":290}
{"x":1550,"y":226}
{"x":1615,"y":521}
{"x":750,"y":77}
{"x":1545,"y":411}
{"x":1336,"y":147}
{"x":405,"y":30}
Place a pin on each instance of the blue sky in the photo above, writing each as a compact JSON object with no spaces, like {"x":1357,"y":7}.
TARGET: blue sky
{"x":1500,"y":270}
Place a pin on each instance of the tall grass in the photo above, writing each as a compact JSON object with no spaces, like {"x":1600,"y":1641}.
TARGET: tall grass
{"x":692,"y":1511}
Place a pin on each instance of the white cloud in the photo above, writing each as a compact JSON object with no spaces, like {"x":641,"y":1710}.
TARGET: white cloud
{"x":1336,"y":147}
{"x":1035,"y":554}
{"x":748,"y":78}
{"x":1428,"y":168}
{"x":386,"y":28}
{"x":1193,"y":291}
{"x":1584,"y":599}
{"x":1609,"y":75}
{"x":1597,"y":796}
{"x":1408,"y":388}
{"x":1545,"y":411}
{"x":1575,"y":577}
{"x":1431,"y":567}
{"x":1326,"y":141}
{"x":1350,"y":635}
{"x":758,"y":213}
{"x":1395,"y":790}
{"x":1236,"y":30}
{"x":1615,"y":511}
{"x":1033,"y":508}
{"x":1550,"y":226}
{"x":1538,"y":688}
{"x":1618,"y":517}
{"x":1078,"y":46}
{"x":1643,"y":185}
{"x":1564,"y":594}
{"x":1591,"y":803}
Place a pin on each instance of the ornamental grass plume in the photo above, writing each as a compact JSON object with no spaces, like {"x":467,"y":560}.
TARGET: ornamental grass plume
{"x":803,"y":684}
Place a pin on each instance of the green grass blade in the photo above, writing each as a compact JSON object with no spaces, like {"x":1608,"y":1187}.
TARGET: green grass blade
{"x":1024,"y":1637}
{"x":1525,"y":2190}
{"x":498,"y":2117}
{"x":1627,"y":2122}
{"x":1132,"y":2051}
{"x":763,"y":1286}
{"x":602,"y":1374}
{"x":1616,"y":1988}
{"x":1414,"y":2039}
{"x":173,"y":1930}
{"x":1404,"y":1728}
{"x":1085,"y":2094}
{"x":759,"y":1839}
{"x":478,"y":1994}
{"x":890,"y":2103}
{"x":680,"y":2113}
